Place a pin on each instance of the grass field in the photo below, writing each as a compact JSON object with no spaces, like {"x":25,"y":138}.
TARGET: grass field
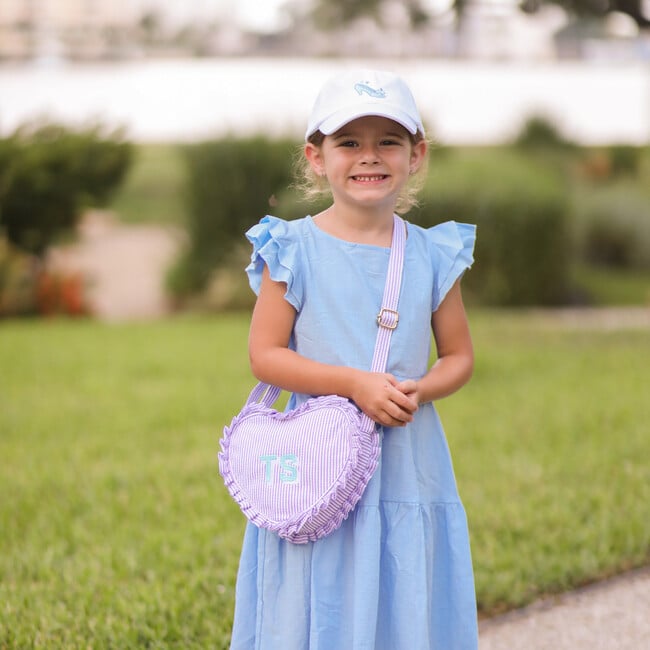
{"x":117,"y":531}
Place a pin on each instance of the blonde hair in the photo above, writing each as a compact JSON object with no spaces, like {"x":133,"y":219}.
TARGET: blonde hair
{"x":314,"y":187}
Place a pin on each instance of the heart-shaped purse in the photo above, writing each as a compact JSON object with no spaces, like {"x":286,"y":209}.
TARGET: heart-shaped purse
{"x":299,"y":473}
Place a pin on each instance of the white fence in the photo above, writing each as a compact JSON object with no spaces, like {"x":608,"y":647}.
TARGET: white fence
{"x":185,"y":100}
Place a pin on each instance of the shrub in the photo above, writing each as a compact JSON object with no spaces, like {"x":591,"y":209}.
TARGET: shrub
{"x":231,"y":184}
{"x":625,"y":159}
{"x":62,"y":293}
{"x":28,"y":287}
{"x":612,"y":226}
{"x":610,"y":163}
{"x":18,"y":279}
{"x":49,"y":173}
{"x":540,"y":132}
{"x":521,"y":210}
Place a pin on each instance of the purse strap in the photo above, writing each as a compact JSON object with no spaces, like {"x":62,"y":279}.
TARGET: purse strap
{"x":387,"y":320}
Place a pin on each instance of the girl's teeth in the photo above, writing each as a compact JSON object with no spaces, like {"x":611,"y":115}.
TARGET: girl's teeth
{"x":368,"y":178}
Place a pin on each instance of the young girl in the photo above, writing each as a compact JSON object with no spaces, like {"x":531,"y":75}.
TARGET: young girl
{"x":397,"y":574}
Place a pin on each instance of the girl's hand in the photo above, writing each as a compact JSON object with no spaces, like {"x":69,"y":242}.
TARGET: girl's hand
{"x":410,"y":388}
{"x":379,"y":397}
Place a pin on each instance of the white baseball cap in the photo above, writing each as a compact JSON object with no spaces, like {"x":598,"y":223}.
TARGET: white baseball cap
{"x":360,"y":93}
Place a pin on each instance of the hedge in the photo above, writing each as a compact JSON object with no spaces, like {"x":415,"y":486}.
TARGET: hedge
{"x":534,"y":217}
{"x":232,"y":184}
{"x":49,"y":173}
{"x":521,"y":210}
{"x":612,"y":226}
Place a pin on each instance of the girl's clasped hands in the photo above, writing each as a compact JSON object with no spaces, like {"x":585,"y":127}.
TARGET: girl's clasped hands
{"x":386,"y":400}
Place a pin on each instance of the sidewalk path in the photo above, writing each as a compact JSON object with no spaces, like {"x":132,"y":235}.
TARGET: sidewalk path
{"x":125,"y":266}
{"x":611,"y":615}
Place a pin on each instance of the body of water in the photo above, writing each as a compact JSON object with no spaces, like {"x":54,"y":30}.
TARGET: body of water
{"x":184,"y":100}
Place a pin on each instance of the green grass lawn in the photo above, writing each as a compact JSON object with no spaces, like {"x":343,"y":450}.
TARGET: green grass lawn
{"x":118,"y":533}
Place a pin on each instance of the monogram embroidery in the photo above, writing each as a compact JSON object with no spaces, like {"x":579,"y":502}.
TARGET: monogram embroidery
{"x":286,"y":464}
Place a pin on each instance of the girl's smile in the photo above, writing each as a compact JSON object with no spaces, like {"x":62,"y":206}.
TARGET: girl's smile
{"x":369,"y":179}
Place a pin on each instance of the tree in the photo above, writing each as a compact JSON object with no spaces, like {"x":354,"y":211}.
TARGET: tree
{"x":634,"y":8}
{"x":593,"y":8}
{"x":150,"y":26}
{"x":330,"y":14}
{"x":49,"y":173}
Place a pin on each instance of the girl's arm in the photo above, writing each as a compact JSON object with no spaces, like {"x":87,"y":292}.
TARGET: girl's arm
{"x":455,"y":363}
{"x":274,"y":363}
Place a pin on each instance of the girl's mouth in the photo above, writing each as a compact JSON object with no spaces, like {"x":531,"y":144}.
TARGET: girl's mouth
{"x":370,"y":179}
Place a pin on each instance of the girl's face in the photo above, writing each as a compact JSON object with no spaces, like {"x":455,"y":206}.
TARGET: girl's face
{"x":367,"y":162}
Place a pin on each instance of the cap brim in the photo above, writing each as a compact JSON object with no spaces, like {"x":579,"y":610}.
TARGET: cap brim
{"x":339,"y":119}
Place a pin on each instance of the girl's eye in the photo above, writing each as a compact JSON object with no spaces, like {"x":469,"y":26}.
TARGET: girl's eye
{"x":347,"y":143}
{"x":389,"y":142}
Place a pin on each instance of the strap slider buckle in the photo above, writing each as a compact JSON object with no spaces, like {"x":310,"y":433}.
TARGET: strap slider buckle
{"x":388,"y":318}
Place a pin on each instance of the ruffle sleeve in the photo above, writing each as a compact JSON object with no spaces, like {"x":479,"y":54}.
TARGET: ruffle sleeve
{"x":452,"y":246}
{"x":275,"y":244}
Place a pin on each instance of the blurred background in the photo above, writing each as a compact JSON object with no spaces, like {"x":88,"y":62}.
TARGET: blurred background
{"x":117,"y":121}
{"x":139,"y":140}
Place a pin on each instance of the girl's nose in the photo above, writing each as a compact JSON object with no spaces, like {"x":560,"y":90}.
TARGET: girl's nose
{"x":369,"y":156}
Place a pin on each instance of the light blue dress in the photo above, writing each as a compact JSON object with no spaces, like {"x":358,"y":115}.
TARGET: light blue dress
{"x":397,"y":575}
